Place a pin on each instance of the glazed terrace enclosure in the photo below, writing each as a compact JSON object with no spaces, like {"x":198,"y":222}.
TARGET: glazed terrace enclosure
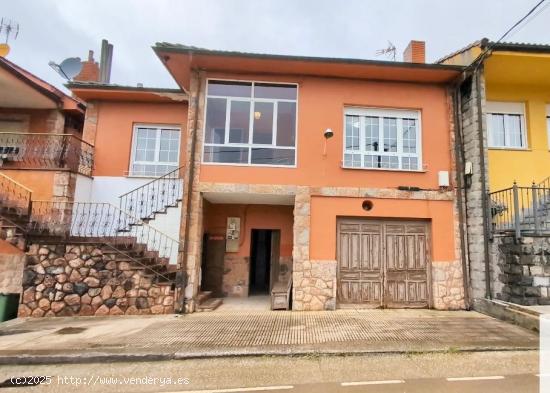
{"x":384,"y":134}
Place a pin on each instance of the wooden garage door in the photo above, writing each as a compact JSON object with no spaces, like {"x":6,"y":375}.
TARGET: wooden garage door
{"x":383,"y":263}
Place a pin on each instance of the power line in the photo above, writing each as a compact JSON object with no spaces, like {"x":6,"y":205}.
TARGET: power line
{"x":491,"y":45}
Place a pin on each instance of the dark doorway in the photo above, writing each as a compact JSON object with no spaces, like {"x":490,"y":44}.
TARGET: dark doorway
{"x":263,"y":260}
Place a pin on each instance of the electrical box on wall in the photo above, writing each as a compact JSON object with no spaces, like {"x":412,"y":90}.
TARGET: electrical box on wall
{"x":443,"y":177}
{"x":233,"y":234}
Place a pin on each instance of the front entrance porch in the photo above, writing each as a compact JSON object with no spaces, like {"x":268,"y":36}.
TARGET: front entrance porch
{"x":247,"y":247}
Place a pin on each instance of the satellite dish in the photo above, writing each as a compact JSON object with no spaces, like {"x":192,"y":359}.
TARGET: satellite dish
{"x":69,"y":68}
{"x":4,"y":50}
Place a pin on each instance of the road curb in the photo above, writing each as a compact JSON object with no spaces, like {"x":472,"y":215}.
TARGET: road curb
{"x":98,"y":357}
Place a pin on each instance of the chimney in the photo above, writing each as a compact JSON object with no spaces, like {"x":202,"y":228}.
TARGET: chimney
{"x":415,"y":52}
{"x":90,"y":70}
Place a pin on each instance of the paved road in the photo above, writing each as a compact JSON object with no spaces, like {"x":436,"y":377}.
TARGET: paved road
{"x":504,"y":371}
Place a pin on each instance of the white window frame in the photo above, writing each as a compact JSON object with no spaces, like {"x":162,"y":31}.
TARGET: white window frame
{"x":506,"y":108}
{"x":157,"y":149}
{"x":250,"y":145}
{"x":381,"y":113}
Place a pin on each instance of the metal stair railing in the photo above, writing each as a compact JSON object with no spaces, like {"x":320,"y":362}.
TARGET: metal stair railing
{"x":521,"y":210}
{"x":15,"y":195}
{"x":98,"y":222}
{"x":155,"y":196}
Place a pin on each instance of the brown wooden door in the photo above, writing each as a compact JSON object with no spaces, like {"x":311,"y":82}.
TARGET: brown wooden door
{"x":383,"y":263}
{"x":213,"y":260}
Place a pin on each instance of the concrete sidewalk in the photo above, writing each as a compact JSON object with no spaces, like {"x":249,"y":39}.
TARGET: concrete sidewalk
{"x":234,"y":333}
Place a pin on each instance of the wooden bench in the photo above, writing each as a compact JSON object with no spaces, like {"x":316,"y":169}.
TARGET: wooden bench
{"x":280,"y":294}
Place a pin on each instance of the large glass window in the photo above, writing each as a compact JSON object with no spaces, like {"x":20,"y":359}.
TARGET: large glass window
{"x":155,"y":150}
{"x":382,"y":139}
{"x":250,"y":123}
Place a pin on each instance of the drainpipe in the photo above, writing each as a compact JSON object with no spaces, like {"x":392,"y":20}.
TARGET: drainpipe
{"x":459,"y":158}
{"x":192,"y":132}
{"x":484,"y":203}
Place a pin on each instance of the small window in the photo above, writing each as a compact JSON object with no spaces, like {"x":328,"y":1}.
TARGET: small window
{"x":250,"y":123}
{"x":506,"y":125}
{"x":382,"y":139}
{"x":155,"y":150}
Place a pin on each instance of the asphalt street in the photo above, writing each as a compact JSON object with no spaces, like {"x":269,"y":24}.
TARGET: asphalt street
{"x":491,"y":371}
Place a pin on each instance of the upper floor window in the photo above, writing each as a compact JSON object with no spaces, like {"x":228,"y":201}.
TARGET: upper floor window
{"x":155,"y":150}
{"x":382,"y":139}
{"x":250,"y":123}
{"x":506,"y":125}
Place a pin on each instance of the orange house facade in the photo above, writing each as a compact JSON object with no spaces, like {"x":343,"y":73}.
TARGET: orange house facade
{"x":311,"y":183}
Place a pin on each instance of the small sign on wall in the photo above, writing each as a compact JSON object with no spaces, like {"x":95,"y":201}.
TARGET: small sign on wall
{"x":233,"y":234}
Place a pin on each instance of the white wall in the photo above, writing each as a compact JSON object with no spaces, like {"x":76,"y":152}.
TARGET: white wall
{"x":83,"y":190}
{"x":108,"y":189}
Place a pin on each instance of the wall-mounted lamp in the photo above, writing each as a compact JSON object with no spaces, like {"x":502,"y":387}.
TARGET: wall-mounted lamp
{"x":257,"y":115}
{"x":327,"y":134}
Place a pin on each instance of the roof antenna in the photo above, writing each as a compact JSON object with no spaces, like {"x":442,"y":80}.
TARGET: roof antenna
{"x":7,"y":28}
{"x":389,"y":51}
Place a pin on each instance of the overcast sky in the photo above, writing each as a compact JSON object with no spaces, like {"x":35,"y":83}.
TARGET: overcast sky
{"x":56,"y":29}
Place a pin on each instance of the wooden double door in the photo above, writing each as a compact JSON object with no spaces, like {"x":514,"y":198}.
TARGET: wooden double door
{"x":383,"y":263}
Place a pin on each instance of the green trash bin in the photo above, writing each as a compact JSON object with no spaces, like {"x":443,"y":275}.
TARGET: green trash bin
{"x":9,"y":302}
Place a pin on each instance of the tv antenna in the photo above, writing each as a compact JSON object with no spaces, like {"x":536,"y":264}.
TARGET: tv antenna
{"x":68,"y":68}
{"x":389,"y":51}
{"x":8,"y":29}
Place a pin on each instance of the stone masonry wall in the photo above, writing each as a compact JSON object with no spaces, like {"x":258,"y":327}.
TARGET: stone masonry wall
{"x":447,"y":285}
{"x":314,"y":285}
{"x":66,"y":280}
{"x":474,"y":194}
{"x":11,"y":272}
{"x":524,"y":270}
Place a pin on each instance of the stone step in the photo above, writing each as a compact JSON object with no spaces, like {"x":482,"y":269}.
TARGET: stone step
{"x":209,"y":305}
{"x":203,"y":296}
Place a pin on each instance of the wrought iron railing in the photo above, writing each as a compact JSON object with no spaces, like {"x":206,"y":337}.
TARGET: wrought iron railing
{"x":521,"y":210}
{"x":155,"y":196}
{"x":98,"y":222}
{"x":43,"y":150}
{"x":14,"y":195}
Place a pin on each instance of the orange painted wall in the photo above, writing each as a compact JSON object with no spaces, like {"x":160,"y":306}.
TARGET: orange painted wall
{"x":115,"y":130}
{"x":326,"y":210}
{"x":321,"y":103}
{"x":252,"y":217}
{"x":38,"y":118}
{"x":40,"y":182}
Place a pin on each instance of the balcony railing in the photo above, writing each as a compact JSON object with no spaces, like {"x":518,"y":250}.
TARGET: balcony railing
{"x":521,"y":210}
{"x":46,"y":151}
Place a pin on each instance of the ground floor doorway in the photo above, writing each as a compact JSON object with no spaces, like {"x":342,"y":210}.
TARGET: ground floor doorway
{"x":264,"y":260}
{"x":383,"y":263}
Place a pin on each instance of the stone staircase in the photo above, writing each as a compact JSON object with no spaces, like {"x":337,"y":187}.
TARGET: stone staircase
{"x":129,"y":244}
{"x":205,"y":302}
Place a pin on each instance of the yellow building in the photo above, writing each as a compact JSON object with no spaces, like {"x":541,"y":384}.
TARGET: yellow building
{"x":516,"y":108}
